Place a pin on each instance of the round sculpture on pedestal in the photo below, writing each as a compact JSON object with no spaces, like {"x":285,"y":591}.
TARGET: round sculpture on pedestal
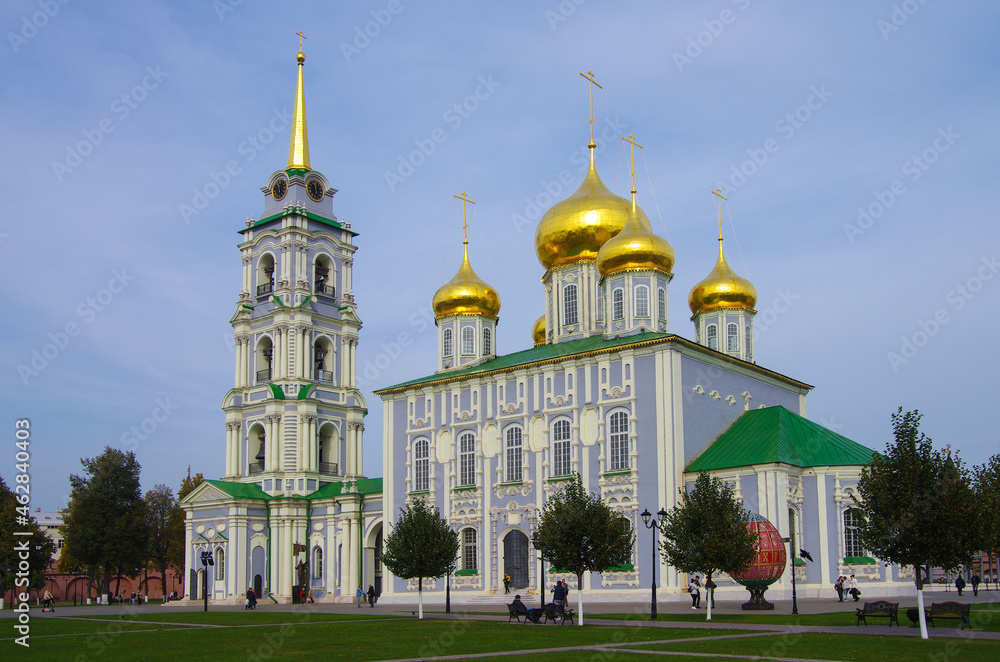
{"x":766,"y":567}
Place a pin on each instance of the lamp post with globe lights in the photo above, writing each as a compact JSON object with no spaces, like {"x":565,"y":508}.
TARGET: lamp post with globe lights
{"x":655,"y":526}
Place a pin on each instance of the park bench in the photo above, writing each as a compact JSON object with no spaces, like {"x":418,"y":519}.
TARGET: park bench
{"x":879,"y":608}
{"x":516,"y":613}
{"x":556,"y":613}
{"x":950,"y":610}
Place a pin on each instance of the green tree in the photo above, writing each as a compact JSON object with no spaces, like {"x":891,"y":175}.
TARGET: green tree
{"x":916,"y":505}
{"x":105,"y":523}
{"x":175,"y":551}
{"x":987,"y":486}
{"x":707,"y":532}
{"x":420,"y":545}
{"x":580,"y":533}
{"x":15,"y":517}
{"x":160,"y":504}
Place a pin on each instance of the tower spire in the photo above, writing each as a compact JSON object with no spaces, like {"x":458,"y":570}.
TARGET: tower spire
{"x":592,"y":145}
{"x":298,"y":150}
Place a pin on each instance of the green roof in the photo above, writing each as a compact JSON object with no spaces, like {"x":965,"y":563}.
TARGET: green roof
{"x":542,"y":353}
{"x":776,"y":435}
{"x":308,"y":214}
{"x":253,"y":491}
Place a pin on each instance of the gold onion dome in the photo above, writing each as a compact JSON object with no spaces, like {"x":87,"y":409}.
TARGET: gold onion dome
{"x":577,"y":227}
{"x":722,"y":289}
{"x":538,"y":331}
{"x":466,"y":294}
{"x":635,"y":247}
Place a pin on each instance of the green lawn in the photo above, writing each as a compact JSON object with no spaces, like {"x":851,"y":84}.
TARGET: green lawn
{"x":301,"y":635}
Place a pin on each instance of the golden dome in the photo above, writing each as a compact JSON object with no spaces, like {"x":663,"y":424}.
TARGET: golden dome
{"x":722,"y":289}
{"x":635,"y":247}
{"x":538,"y":331}
{"x":466,"y":294}
{"x":577,"y":227}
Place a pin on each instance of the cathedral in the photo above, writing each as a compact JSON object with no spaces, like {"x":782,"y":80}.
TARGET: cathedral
{"x":607,"y":391}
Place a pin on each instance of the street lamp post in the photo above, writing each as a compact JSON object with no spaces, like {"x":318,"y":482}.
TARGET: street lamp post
{"x":655,"y":526}
{"x":206,"y":561}
{"x":791,"y":553}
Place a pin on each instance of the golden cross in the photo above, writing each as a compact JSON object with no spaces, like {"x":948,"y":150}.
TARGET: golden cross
{"x":631,"y":139}
{"x":465,"y":225}
{"x":718,"y":192}
{"x":301,"y":37}
{"x":590,"y":76}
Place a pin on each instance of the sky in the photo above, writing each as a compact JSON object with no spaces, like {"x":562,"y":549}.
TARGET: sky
{"x":856,"y":142}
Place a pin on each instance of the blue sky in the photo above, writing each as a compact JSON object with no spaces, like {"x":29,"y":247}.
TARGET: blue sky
{"x":857,"y":143}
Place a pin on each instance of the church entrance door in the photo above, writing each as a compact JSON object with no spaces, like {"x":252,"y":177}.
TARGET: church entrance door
{"x":258,"y":585}
{"x":515,"y":558}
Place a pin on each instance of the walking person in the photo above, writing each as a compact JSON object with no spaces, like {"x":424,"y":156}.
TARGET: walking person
{"x":975,"y":583}
{"x":959,"y":584}
{"x":695,"y":588}
{"x":371,"y":596}
{"x":852,"y":588}
{"x":506,"y":583}
{"x":840,"y":588}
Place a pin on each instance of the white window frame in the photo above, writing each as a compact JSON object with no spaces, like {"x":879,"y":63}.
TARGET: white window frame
{"x":561,"y":459}
{"x":317,"y":562}
{"x":641,"y":301}
{"x":220,"y":564}
{"x":618,"y":441}
{"x":470,"y":549}
{"x":618,"y":304}
{"x":661,"y":304}
{"x":748,"y":345}
{"x":468,"y":341}
{"x":513,"y":454}
{"x":466,"y":459}
{"x":487,"y":341}
{"x":571,"y":312}
{"x":447,"y":343}
{"x":712,"y":336}
{"x":421,"y":465}
{"x":852,"y":538}
{"x":732,"y":337}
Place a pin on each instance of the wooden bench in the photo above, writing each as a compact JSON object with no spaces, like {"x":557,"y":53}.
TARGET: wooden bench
{"x":516,"y":613}
{"x":950,"y":610}
{"x":879,"y":608}
{"x":558,"y":614}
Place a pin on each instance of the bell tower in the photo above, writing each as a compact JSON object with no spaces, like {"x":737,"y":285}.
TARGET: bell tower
{"x":294,"y":416}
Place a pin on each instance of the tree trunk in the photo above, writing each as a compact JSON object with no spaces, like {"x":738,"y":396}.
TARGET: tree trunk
{"x":710,"y":591}
{"x":920,"y":603}
{"x":420,"y":597}
{"x":579,"y":598}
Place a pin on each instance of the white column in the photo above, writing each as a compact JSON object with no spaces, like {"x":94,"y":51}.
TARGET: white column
{"x":188,"y":560}
{"x":271,"y":454}
{"x":355,"y":549}
{"x":285,"y":558}
{"x":344,"y":547}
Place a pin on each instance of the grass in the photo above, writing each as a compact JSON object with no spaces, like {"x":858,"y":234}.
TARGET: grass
{"x":307,"y":636}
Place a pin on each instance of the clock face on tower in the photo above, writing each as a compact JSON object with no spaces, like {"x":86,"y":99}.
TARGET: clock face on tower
{"x":279,"y":189}
{"x":315,"y":189}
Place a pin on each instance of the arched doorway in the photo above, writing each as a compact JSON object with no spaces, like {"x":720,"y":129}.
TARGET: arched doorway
{"x":515,"y":558}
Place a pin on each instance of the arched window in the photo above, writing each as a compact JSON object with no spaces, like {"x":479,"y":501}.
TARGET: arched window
{"x":220,"y":564}
{"x":468,"y":341}
{"x":747,"y":344}
{"x":618,"y":304}
{"x":487,"y":341}
{"x":446,"y":343}
{"x":852,"y":537}
{"x":323,"y":360}
{"x":560,"y":448}
{"x":324,"y":277}
{"x":642,"y":301}
{"x":265,"y":350}
{"x":732,"y":337}
{"x":661,"y":304}
{"x":265,"y":274}
{"x":467,"y":459}
{"x":712,"y":336}
{"x":618,"y":440}
{"x":470,"y":550}
{"x":600,"y":303}
{"x":570,"y":315}
{"x":317,"y":563}
{"x":421,"y":465}
{"x":513,"y":455}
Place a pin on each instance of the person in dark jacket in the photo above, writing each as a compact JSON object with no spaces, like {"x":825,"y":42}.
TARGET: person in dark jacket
{"x":371,"y":596}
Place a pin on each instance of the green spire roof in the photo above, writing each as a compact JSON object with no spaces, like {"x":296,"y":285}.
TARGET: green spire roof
{"x":776,"y":435}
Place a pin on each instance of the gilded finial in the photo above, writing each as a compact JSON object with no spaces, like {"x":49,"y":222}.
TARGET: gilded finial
{"x":298,"y":149}
{"x":631,"y":139}
{"x":465,"y":224}
{"x":590,"y":76}
{"x":718,"y":192}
